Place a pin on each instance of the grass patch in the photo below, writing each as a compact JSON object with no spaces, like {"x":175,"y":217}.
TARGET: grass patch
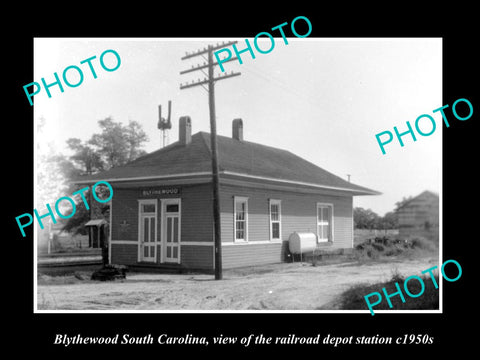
{"x":353,"y":298}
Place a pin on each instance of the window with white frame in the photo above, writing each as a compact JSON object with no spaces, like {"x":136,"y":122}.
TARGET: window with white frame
{"x":324,"y":222}
{"x":240,"y":218}
{"x":275,"y":219}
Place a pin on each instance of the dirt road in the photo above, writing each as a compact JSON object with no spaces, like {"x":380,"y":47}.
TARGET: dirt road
{"x":275,"y":287}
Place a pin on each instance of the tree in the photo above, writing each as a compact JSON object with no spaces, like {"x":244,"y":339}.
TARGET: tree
{"x":389,"y":221}
{"x":134,"y":137}
{"x":85,"y":159}
{"x":404,"y":200}
{"x":76,"y":223}
{"x":365,"y":219}
{"x":115,"y":145}
{"x":49,"y":169}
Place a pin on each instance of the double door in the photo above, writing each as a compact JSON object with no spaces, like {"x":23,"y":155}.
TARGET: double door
{"x":168,"y":243}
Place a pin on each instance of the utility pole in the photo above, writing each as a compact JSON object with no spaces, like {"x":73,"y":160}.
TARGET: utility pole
{"x":213,"y":137}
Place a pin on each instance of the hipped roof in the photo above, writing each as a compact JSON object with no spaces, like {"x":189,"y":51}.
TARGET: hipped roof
{"x":239,"y":158}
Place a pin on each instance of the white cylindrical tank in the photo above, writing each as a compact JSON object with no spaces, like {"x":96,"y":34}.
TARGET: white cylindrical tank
{"x":301,"y":242}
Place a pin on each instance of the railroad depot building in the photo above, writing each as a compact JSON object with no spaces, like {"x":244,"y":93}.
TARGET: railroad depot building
{"x":162,"y":215}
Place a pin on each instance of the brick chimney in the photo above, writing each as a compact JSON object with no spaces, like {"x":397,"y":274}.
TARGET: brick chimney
{"x":237,"y":129}
{"x":185,"y":130}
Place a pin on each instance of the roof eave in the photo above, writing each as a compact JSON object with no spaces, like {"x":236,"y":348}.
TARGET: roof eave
{"x":306,"y":184}
{"x":140,"y":178}
{"x":352,"y":191}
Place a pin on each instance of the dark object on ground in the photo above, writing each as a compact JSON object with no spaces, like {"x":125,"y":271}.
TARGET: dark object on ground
{"x":110,"y":272}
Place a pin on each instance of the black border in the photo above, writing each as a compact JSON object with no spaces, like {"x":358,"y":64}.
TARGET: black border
{"x":28,"y":331}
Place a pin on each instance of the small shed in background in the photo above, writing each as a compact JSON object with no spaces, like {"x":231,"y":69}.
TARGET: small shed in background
{"x":419,"y":216}
{"x":95,"y":227}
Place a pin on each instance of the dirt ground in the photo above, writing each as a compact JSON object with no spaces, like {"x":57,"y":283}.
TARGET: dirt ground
{"x":293,"y":286}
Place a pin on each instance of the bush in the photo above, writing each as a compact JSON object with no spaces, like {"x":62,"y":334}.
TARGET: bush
{"x":378,"y":247}
{"x":386,"y":247}
{"x":367,"y":251}
{"x":421,"y":243}
{"x":394,"y":251}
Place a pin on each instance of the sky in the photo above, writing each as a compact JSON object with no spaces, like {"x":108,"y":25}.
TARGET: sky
{"x":323,"y":99}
